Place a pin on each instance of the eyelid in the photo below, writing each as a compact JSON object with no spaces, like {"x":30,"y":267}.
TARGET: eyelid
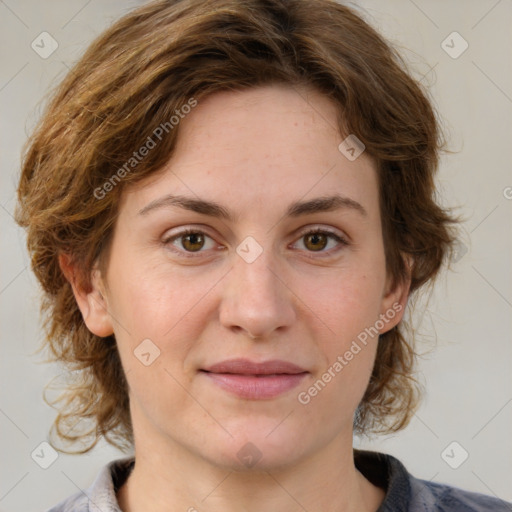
{"x":340,"y":238}
{"x":321,"y":229}
{"x":191,"y":228}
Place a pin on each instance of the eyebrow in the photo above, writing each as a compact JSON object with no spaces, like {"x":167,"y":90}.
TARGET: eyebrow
{"x":296,"y":209}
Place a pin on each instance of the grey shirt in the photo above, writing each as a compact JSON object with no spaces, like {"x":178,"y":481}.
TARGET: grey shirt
{"x":404,"y":493}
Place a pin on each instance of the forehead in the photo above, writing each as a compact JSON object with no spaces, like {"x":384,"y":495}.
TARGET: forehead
{"x":260,"y":148}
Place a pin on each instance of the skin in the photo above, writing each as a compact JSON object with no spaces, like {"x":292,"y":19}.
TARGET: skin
{"x":254,"y":152}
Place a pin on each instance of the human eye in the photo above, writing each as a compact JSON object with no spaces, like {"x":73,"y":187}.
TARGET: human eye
{"x":189,"y":242}
{"x":318,"y":239}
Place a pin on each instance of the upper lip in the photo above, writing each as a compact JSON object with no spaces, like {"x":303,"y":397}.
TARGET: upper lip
{"x":247,"y":367}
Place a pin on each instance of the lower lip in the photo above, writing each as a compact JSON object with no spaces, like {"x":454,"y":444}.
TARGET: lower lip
{"x":256,"y":388}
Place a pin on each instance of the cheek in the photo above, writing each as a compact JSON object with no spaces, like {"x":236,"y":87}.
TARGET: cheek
{"x":346,"y":301}
{"x":351,"y":310}
{"x":347,"y":349}
{"x":346,"y":305}
{"x":150,"y":301}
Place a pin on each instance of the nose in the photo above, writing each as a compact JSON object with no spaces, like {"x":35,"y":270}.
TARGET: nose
{"x":256,"y":299}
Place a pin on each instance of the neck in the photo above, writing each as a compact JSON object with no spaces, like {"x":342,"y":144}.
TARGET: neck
{"x":174,"y":478}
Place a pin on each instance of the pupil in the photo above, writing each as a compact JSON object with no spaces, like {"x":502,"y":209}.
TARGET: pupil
{"x":315,"y":238}
{"x":193,"y":239}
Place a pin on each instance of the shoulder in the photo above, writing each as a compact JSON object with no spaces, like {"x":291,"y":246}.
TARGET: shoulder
{"x":77,"y":503}
{"x":101,"y":495}
{"x":405,"y":493}
{"x":431,"y":496}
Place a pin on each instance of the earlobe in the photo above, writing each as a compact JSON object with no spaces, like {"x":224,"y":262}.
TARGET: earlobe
{"x":90,"y":297}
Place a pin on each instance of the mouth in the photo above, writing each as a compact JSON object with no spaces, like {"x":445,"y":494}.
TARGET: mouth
{"x":255,"y":381}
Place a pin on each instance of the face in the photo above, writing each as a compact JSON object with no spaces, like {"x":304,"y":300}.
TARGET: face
{"x":265,"y":271}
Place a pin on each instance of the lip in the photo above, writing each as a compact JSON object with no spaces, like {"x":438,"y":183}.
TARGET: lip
{"x":255,"y":380}
{"x":247,"y":367}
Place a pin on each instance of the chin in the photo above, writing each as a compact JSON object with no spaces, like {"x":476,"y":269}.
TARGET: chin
{"x":259,"y":446}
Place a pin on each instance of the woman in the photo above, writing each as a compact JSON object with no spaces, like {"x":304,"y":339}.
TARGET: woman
{"x":228,"y":205}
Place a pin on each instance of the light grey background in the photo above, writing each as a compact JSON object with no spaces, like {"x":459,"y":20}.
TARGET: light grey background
{"x":465,"y":331}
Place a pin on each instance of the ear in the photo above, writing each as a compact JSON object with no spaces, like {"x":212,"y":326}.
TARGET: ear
{"x":90,"y":297}
{"x":394,"y":301}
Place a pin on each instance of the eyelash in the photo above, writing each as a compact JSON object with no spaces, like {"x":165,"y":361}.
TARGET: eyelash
{"x":189,"y":231}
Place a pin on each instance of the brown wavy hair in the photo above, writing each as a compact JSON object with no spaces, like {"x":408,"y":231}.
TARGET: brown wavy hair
{"x":136,"y":76}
